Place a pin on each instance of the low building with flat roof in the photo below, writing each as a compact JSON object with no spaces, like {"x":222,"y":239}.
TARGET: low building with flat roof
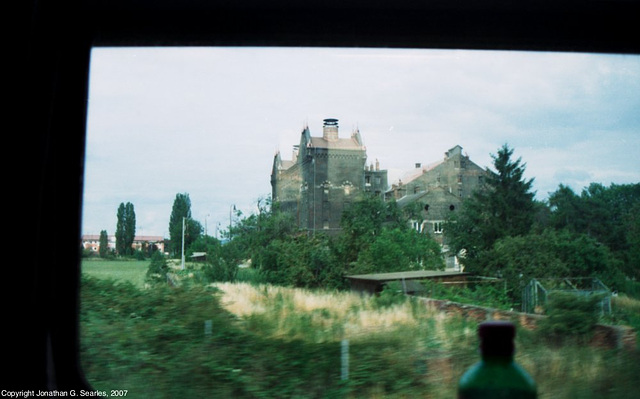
{"x":375,"y":283}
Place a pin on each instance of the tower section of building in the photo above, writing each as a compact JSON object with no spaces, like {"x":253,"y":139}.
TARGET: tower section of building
{"x":330,"y":173}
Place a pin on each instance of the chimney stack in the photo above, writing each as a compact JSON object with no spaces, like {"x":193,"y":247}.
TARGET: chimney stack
{"x":330,"y":129}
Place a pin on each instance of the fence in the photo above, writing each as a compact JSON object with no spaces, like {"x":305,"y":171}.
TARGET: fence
{"x":535,"y":295}
{"x":605,"y":336}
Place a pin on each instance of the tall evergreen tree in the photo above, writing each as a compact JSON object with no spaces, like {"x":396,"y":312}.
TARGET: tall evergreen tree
{"x":104,"y":244}
{"x":504,"y":207}
{"x":182,"y":211}
{"x":130,"y":227}
{"x":125,"y":229}
{"x":120,"y":230}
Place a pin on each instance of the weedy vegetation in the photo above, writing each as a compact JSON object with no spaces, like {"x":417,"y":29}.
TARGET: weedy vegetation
{"x":246,"y":340}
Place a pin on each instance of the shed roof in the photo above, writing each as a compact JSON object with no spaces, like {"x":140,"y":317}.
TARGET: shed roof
{"x":411,"y":275}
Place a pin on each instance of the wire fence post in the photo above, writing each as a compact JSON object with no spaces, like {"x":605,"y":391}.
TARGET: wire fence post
{"x":344,"y":375}
{"x":208,"y":328}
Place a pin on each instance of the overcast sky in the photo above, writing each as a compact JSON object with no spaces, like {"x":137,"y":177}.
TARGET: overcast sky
{"x":208,"y":121}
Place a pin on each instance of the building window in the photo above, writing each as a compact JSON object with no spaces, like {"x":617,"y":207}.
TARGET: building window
{"x":437,"y":227}
{"x":416,"y":226}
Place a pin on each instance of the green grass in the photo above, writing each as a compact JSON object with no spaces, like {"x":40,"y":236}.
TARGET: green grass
{"x":132,"y":271}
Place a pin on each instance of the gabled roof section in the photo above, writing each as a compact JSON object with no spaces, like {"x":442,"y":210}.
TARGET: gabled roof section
{"x":340,"y":144}
{"x":410,"y":198}
{"x":417,"y":172}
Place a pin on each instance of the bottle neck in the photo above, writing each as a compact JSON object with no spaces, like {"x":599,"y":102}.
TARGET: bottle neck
{"x":497,"y":359}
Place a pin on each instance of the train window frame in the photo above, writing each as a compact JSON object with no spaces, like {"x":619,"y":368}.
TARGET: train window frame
{"x":59,"y":39}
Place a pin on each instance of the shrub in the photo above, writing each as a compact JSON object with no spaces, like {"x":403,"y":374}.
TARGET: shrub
{"x":570,"y":316}
{"x":158,"y":269}
{"x":391,"y":295}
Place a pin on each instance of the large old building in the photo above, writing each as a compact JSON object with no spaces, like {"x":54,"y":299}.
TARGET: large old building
{"x":324,"y":177}
{"x":326,"y":174}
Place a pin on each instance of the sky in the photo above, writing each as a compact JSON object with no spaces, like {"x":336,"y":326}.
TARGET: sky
{"x":208,"y":121}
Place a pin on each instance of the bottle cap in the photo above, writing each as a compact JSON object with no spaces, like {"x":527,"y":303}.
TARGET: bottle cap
{"x":496,"y":338}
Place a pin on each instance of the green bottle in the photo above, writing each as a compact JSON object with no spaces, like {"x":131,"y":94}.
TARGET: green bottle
{"x":496,"y":376}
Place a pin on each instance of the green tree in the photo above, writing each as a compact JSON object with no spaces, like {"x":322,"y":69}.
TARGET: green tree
{"x":363,"y":222}
{"x":608,"y":215}
{"x":222,"y":261}
{"x":566,"y":210}
{"x":158,"y":269}
{"x":504,"y":207}
{"x":125,"y":229}
{"x":399,"y":249}
{"x":181,"y":212}
{"x":104,"y":244}
{"x":130,"y":227}
{"x":120,"y":228}
{"x":519,"y":259}
{"x":278,"y":251}
{"x":633,"y":239}
{"x":300,"y":260}
{"x":550,"y":254}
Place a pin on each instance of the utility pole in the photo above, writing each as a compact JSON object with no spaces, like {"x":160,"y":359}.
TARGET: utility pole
{"x":232,"y":207}
{"x":183,"y":243}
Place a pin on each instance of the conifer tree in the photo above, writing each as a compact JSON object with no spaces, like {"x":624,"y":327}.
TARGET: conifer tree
{"x":104,"y":244}
{"x":503,"y":207}
{"x":125,"y":229}
{"x":120,"y":228}
{"x":182,"y":210}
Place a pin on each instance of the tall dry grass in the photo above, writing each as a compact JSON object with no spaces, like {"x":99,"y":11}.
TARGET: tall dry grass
{"x":329,"y":316}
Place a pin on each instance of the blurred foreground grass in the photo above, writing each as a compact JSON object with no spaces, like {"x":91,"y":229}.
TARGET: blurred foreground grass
{"x":260,"y":341}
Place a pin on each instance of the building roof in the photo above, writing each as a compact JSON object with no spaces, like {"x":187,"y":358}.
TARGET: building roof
{"x":339,"y":144}
{"x":410,"y":198}
{"x":411,"y":275}
{"x":417,"y":172}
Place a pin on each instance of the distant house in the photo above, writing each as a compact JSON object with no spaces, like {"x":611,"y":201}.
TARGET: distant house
{"x":438,"y":190}
{"x":91,"y":242}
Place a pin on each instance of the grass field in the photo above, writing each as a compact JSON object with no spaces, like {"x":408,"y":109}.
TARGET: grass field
{"x":130,"y":270}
